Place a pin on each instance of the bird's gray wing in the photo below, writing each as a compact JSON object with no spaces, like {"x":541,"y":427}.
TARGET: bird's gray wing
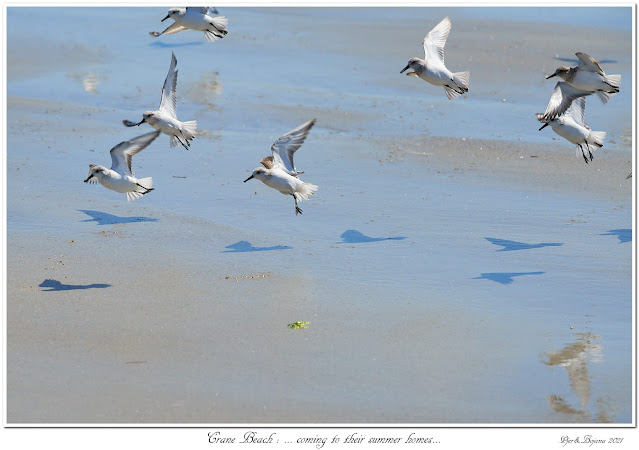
{"x":589,"y":63}
{"x":168,"y":103}
{"x":578,"y":111}
{"x":286,"y":145}
{"x":561,"y":99}
{"x":200,"y":9}
{"x":172,"y":29}
{"x":435,"y":40}
{"x":122,"y":154}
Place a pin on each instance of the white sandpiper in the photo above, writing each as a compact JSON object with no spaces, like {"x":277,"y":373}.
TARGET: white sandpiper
{"x":586,"y":78}
{"x":432,"y":67}
{"x":120,"y":177}
{"x":165,"y":118}
{"x":195,"y":18}
{"x":571,"y":126}
{"x":279,"y":171}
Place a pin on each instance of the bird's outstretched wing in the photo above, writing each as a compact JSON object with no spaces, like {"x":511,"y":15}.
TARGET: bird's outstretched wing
{"x":435,"y":40}
{"x":562,"y":97}
{"x":168,"y":103}
{"x":122,"y":154}
{"x":578,"y":111}
{"x":172,"y":29}
{"x":200,"y":9}
{"x":286,"y":145}
{"x":589,"y":63}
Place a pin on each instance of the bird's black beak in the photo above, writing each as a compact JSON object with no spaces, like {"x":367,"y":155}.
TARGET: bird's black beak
{"x":88,"y":178}
{"x":405,"y":68}
{"x":167,"y":16}
{"x":248,"y":178}
{"x":550,"y":76}
{"x":543,"y":126}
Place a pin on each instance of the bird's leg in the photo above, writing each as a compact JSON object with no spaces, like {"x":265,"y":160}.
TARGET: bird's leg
{"x":146,"y":190}
{"x":181,"y":142}
{"x":185,"y":139}
{"x":615,"y":88}
{"x":461,"y":89}
{"x":589,"y":152}
{"x":583,"y":153}
{"x":223,"y":32}
{"x":297,"y":208}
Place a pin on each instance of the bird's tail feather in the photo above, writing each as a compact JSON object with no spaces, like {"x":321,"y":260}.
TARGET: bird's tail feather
{"x":452,"y":93}
{"x":219,"y":23}
{"x":146,"y":183}
{"x":614,"y":81}
{"x":462,"y":79}
{"x":604,"y":96}
{"x":145,"y":186}
{"x":596,"y":138}
{"x":133,"y":195}
{"x":306,"y":190}
{"x":189,"y":129}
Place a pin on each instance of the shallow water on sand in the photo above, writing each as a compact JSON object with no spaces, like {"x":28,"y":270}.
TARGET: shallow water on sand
{"x":434,"y":295}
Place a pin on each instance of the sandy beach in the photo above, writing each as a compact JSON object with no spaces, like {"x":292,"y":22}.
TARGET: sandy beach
{"x":456,"y":265}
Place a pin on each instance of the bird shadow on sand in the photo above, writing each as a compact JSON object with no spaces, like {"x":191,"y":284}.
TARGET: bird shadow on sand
{"x":355,"y":237}
{"x":56,"y":285}
{"x":246,"y":246}
{"x":103,"y":218}
{"x":160,"y":44}
{"x":623,"y":234}
{"x":514,"y":245}
{"x":504,"y":277}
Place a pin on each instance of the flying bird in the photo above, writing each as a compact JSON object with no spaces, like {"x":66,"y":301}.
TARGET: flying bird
{"x":198,"y":19}
{"x":279,"y":171}
{"x":571,"y":126}
{"x":585,"y":79}
{"x":432,"y":67}
{"x":120,"y":177}
{"x":165,"y":118}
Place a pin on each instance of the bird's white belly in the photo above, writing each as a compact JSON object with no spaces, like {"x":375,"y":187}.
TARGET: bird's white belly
{"x":194,"y":22}
{"x":166,"y":125}
{"x":117,"y":182}
{"x":436,"y":77}
{"x":283,"y":182}
{"x":589,"y":81}
{"x":572,"y":132}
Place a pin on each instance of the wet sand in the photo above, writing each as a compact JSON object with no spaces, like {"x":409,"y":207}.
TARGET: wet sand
{"x":174,"y":308}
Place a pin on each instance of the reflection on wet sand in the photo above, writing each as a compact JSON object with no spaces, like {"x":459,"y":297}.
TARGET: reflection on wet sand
{"x":206,"y":90}
{"x":575,"y":358}
{"x":89,"y":81}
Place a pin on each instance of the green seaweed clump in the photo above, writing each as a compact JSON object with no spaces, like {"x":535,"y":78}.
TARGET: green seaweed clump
{"x":300,"y":324}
